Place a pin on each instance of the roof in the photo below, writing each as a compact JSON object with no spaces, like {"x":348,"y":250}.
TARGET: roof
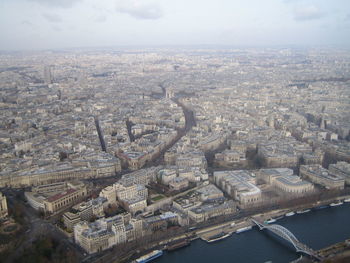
{"x":60,"y":195}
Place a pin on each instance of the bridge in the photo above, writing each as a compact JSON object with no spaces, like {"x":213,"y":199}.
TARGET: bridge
{"x":289,"y":237}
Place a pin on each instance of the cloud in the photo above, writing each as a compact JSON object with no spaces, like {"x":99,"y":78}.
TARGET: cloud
{"x":57,"y":3}
{"x":56,"y":28}
{"x":305,"y":13}
{"x":140,"y":9}
{"x":101,"y":19}
{"x":27,"y":23}
{"x":53,"y":18}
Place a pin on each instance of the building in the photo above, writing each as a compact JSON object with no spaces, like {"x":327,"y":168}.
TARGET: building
{"x":133,"y":197}
{"x":91,"y":209}
{"x":210,"y":192}
{"x":45,"y":175}
{"x":102,"y":164}
{"x":210,"y":210}
{"x":191,"y":159}
{"x":231,"y":158}
{"x":63,"y":200}
{"x":240,"y":184}
{"x":129,"y":190}
{"x":188,"y":201}
{"x":167,"y":175}
{"x":212,"y":142}
{"x":285,"y":180}
{"x":178,"y":184}
{"x":274,"y":155}
{"x":3,"y":206}
{"x":70,"y":220}
{"x":134,"y":205}
{"x":110,"y":194}
{"x":293,"y":184}
{"x":193,"y":174}
{"x":341,"y":169}
{"x":142,"y":176}
{"x":319,"y":175}
{"x":48,"y":75}
{"x":55,"y":197}
{"x":105,"y":233}
{"x":100,"y":235}
{"x":134,"y":160}
{"x":161,"y":221}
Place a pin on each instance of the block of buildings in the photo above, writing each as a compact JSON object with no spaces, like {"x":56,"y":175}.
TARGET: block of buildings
{"x":321,"y":176}
{"x":285,"y":180}
{"x":342,"y":169}
{"x":240,"y":184}
{"x":210,"y":210}
{"x":178,"y":184}
{"x":133,"y":197}
{"x":230,"y":158}
{"x":55,"y":197}
{"x":161,"y":221}
{"x":105,"y":233}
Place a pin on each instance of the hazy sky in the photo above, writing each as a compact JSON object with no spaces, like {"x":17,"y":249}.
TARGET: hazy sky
{"x":41,"y":24}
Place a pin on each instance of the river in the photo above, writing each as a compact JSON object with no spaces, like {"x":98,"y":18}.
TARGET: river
{"x":316,"y":229}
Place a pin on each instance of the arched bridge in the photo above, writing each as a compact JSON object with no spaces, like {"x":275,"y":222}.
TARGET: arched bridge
{"x":288,"y":236}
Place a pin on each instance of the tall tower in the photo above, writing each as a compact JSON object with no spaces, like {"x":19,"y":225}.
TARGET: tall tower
{"x":169,"y":93}
{"x":47,"y":75}
{"x":3,"y":206}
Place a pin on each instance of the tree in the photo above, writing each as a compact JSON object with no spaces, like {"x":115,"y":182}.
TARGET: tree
{"x":63,"y":156}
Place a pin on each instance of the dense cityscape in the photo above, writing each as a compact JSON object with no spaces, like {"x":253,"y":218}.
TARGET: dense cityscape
{"x":110,"y":154}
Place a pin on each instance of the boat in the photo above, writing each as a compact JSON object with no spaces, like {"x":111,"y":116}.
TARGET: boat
{"x":303,"y":211}
{"x":270,"y":221}
{"x":320,"y":207}
{"x":278,"y":218}
{"x":336,"y":204}
{"x":177,"y":245}
{"x":150,"y":256}
{"x":347,"y":200}
{"x":218,"y":237}
{"x":290,"y":214}
{"x":243,"y":229}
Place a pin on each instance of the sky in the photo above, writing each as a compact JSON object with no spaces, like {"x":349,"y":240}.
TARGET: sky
{"x":55,"y":24}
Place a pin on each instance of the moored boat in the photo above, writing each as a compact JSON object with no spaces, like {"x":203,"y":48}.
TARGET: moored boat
{"x":177,"y":245}
{"x":290,"y":214}
{"x":336,"y":204}
{"x":320,"y":207}
{"x":243,"y":229}
{"x":347,"y":200}
{"x":303,"y":211}
{"x":270,"y":221}
{"x":150,"y":256}
{"x":218,"y":237}
{"x":278,"y":218}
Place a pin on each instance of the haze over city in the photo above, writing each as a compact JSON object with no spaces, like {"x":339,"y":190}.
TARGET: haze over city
{"x":45,"y":24}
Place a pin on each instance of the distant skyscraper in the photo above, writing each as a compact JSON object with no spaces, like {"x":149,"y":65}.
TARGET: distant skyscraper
{"x":169,"y":93}
{"x":3,"y":206}
{"x":47,"y":75}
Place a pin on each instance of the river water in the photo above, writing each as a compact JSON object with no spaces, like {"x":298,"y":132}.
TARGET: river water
{"x":316,"y":229}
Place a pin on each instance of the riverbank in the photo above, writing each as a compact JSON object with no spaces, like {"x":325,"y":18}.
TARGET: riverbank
{"x":233,"y":226}
{"x":339,"y":252}
{"x":336,"y":253}
{"x":238,"y":223}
